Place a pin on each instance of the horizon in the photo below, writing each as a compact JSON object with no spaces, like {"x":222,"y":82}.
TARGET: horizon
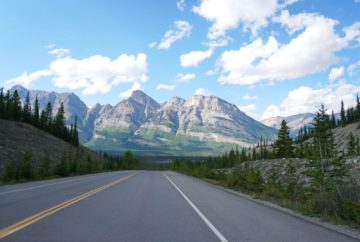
{"x":102,"y":53}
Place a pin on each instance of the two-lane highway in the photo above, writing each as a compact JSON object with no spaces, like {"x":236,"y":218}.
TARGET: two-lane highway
{"x":143,"y":206}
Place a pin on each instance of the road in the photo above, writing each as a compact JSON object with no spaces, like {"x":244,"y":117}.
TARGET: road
{"x":143,"y":206}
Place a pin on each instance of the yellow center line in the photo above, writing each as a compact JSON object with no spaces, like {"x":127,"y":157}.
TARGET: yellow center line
{"x":36,"y":217}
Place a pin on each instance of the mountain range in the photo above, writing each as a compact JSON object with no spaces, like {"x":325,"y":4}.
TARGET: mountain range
{"x":200,"y":125}
{"x":294,"y":122}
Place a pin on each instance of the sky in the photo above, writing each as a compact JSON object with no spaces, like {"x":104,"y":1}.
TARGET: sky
{"x":268,"y":57}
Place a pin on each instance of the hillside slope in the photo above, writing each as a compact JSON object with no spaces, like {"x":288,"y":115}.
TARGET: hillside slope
{"x":17,"y":138}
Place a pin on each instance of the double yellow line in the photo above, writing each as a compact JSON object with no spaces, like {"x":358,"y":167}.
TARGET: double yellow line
{"x":30,"y":220}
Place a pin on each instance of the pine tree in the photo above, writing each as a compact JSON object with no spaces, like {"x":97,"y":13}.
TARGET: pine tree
{"x":36,"y":112}
{"x":351,"y":146}
{"x":43,"y":120}
{"x":59,"y":123}
{"x":27,"y":109}
{"x":333,"y":119}
{"x":283,"y":146}
{"x":16,"y":106}
{"x":342,"y":114}
{"x":358,"y":107}
{"x":2,"y":103}
{"x":48,"y":116}
{"x":76,"y":134}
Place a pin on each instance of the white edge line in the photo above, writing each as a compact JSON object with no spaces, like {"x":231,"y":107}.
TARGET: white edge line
{"x":201,"y":215}
{"x":41,"y":186}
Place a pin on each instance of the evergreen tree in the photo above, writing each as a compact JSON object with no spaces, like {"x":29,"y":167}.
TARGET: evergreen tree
{"x":342,"y":114}
{"x":357,"y":107}
{"x":48,"y":116}
{"x":2,"y":103}
{"x":16,"y":106}
{"x":59,"y":123}
{"x":27,"y":109}
{"x":333,"y":119}
{"x":36,"y":119}
{"x":283,"y":146}
{"x":351,"y":146}
{"x":75,"y":137}
{"x":43,"y":120}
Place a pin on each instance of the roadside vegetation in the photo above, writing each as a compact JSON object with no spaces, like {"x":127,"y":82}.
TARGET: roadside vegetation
{"x":74,"y":160}
{"x":308,"y":173}
{"x":70,"y":164}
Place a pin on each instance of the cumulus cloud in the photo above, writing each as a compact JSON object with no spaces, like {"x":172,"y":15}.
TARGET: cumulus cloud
{"x":202,"y":92}
{"x":249,"y":97}
{"x":26,"y":79}
{"x":271,"y":111}
{"x":353,"y":67}
{"x":194,"y":58}
{"x":248,"y":109}
{"x":95,"y":74}
{"x":185,"y":77}
{"x":335,"y":73}
{"x":152,"y":44}
{"x":59,"y":52}
{"x":165,"y":87}
{"x":182,"y":29}
{"x":311,"y":51}
{"x":134,"y":87}
{"x":229,"y":14}
{"x":180,"y":5}
{"x":306,"y":99}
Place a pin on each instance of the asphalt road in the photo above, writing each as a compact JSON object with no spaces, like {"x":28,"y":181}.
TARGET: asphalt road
{"x":143,"y":206}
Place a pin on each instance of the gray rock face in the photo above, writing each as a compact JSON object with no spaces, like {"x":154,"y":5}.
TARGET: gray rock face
{"x":129,"y":114}
{"x":72,"y":103}
{"x":295,"y":122}
{"x":207,"y":119}
{"x":140,"y":120}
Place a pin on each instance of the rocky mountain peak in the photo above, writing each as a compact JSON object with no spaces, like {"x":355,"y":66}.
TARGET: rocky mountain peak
{"x":140,"y":97}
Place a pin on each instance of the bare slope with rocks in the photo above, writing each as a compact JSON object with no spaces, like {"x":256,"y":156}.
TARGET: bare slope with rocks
{"x":17,"y":138}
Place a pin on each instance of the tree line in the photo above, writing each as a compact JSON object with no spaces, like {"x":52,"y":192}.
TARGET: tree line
{"x":12,"y":109}
{"x":329,"y":193}
{"x":71,"y":163}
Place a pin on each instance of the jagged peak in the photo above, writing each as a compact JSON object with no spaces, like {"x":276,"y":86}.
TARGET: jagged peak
{"x":141,"y":97}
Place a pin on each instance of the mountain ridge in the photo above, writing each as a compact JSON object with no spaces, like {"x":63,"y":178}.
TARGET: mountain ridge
{"x":199,"y":124}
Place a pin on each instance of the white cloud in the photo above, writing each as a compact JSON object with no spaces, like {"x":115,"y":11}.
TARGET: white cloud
{"x":352,"y":33}
{"x":134,"y":87}
{"x":229,"y":14}
{"x":248,"y":109}
{"x":152,"y":44}
{"x":202,"y":92}
{"x":165,"y":87}
{"x":211,"y":72}
{"x":26,"y":79}
{"x":98,"y":73}
{"x":194,"y":58}
{"x":311,"y":51}
{"x":185,"y":77}
{"x":182,"y":29}
{"x":271,"y":111}
{"x":352,"y":68}
{"x":306,"y":99}
{"x":249,"y":97}
{"x":180,"y":5}
{"x":95,"y":74}
{"x":335,"y":73}
{"x":59,"y":52}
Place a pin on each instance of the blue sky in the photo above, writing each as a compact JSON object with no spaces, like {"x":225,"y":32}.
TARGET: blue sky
{"x":269,"y":57}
